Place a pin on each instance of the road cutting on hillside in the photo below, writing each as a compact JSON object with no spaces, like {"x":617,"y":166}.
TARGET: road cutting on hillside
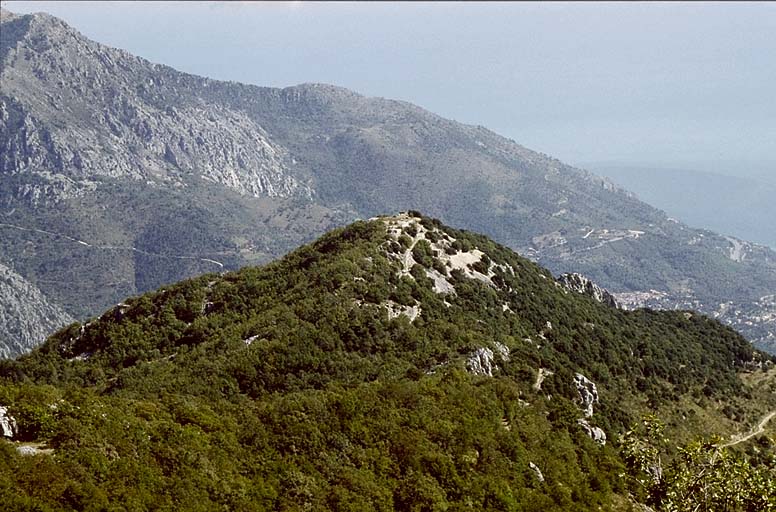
{"x":759,"y":429}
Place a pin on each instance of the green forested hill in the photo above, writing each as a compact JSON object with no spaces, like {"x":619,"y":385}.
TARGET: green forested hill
{"x":396,"y":364}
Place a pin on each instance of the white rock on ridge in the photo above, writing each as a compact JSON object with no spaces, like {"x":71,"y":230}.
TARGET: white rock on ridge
{"x":588,"y":393}
{"x":7,"y":423}
{"x":412,"y":227}
{"x":441,"y":284}
{"x":580,"y":284}
{"x":596,"y":433}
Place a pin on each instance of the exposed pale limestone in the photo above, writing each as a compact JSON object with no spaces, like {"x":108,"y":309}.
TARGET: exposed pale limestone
{"x":588,"y":393}
{"x":441,"y":284}
{"x":7,"y":423}
{"x":542,"y":374}
{"x":580,"y":284}
{"x":596,"y":433}
{"x":536,"y":470}
{"x":481,"y":362}
{"x":410,"y":226}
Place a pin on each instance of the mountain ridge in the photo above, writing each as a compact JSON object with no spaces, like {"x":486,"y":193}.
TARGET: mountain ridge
{"x":307,"y":158}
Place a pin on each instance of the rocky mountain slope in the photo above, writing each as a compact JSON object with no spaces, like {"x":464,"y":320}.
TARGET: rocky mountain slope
{"x":396,"y":364}
{"x":26,"y":316}
{"x":160,"y":174}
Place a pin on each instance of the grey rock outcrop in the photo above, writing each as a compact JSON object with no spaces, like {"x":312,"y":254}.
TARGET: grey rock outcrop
{"x":481,"y":362}
{"x":588,"y":393}
{"x":7,"y":423}
{"x":580,"y":284}
{"x":26,"y":315}
{"x":596,"y":433}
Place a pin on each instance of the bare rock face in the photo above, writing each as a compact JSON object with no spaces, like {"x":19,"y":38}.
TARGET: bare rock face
{"x":26,"y":316}
{"x":596,"y":433}
{"x":581,"y":284}
{"x":481,"y":362}
{"x":7,"y":423}
{"x":72,"y":110}
{"x":588,"y":393}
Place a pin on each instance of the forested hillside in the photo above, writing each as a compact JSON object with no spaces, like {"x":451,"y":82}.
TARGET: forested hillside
{"x":395,"y":364}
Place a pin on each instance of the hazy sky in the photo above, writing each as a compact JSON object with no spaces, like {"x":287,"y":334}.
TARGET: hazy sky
{"x":673,"y":83}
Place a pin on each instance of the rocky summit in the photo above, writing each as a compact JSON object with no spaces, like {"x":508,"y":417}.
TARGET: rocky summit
{"x":120,"y":175}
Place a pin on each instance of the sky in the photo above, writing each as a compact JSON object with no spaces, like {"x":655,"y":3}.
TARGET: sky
{"x":670,"y":84}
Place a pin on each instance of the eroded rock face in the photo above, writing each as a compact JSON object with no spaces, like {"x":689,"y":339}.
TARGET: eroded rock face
{"x":7,"y":423}
{"x":581,"y":284}
{"x":596,"y":433}
{"x":26,"y":315}
{"x":481,"y":362}
{"x":588,"y":393}
{"x":119,"y":116}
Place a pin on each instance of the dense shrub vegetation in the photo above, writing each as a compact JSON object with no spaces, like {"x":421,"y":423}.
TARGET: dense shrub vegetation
{"x":291,"y":387}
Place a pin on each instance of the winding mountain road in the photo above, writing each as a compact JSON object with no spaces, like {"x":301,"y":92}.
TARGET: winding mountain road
{"x":111,"y":247}
{"x":759,"y":429}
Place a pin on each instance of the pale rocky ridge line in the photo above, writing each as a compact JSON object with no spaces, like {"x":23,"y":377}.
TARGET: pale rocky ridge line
{"x":143,"y":133}
{"x":581,"y":284}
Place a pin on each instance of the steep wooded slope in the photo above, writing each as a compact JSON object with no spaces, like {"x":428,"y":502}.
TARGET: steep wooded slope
{"x":396,"y":364}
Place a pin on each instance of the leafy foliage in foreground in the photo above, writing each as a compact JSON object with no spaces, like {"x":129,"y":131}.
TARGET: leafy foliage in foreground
{"x":294,"y":387}
{"x":703,"y":478}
